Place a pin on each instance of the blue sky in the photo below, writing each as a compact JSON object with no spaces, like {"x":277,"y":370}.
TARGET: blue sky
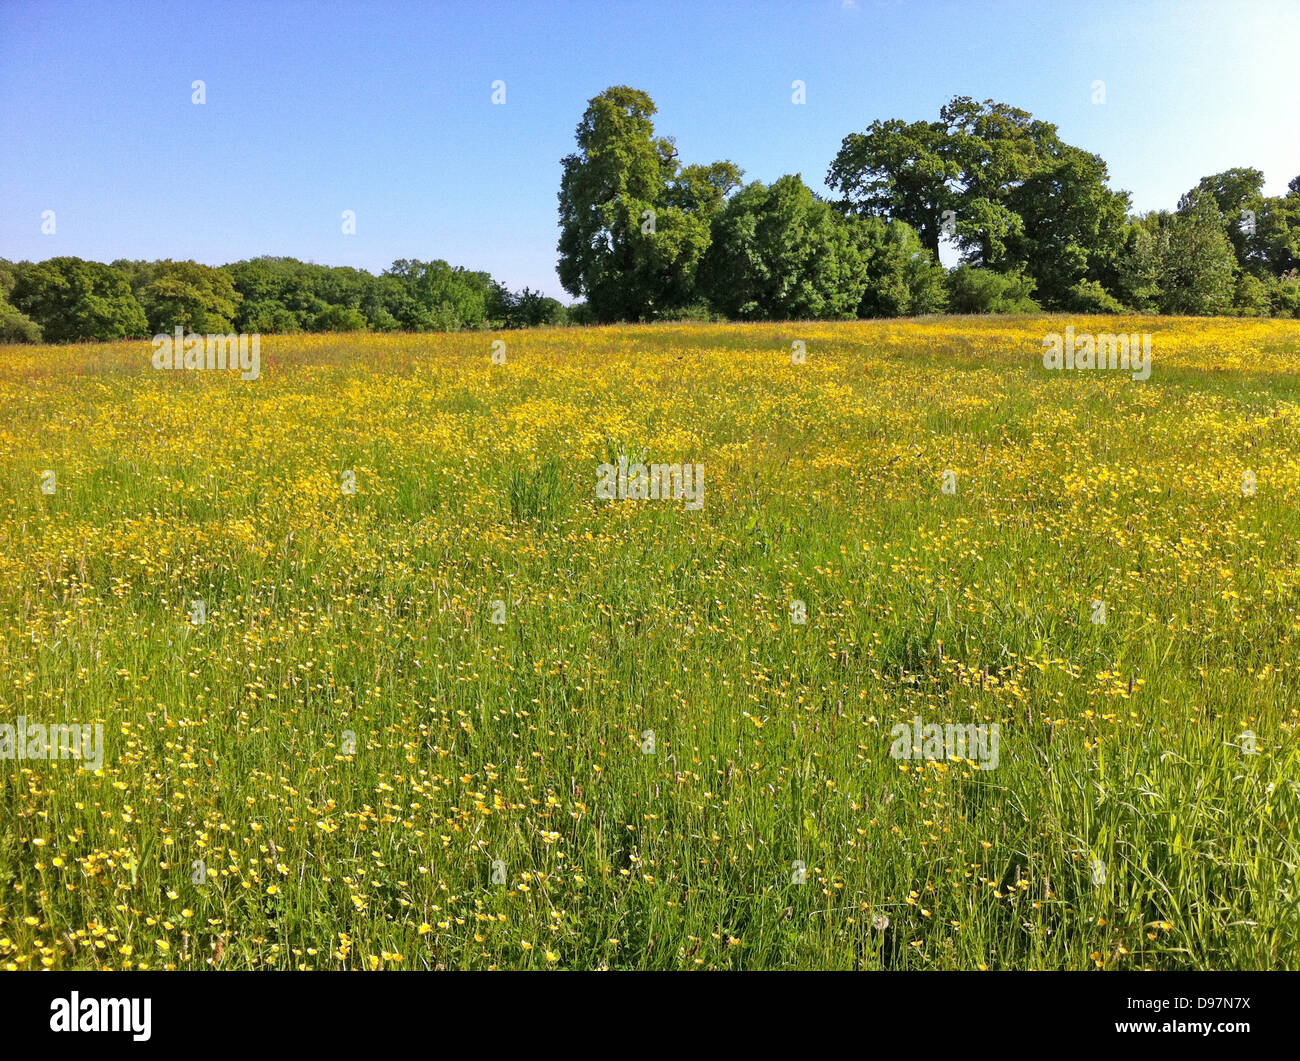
{"x":386,"y":109}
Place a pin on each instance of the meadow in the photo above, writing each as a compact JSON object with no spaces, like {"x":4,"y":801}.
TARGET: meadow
{"x":472,"y":716}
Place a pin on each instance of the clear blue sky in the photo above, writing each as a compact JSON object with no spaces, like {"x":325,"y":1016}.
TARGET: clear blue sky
{"x":385,"y":109}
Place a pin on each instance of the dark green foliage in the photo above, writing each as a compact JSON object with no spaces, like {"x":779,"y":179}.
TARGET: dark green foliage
{"x":527,"y":309}
{"x":973,"y":290}
{"x":15,"y":327}
{"x":903,"y":279}
{"x":1021,"y":199}
{"x":1198,"y":267}
{"x":780,"y":254}
{"x":439,"y":297}
{"x":71,"y":300}
{"x":185,"y":294}
{"x":1284,"y":298}
{"x":634,"y":224}
{"x":1088,"y":296}
{"x":339,"y":319}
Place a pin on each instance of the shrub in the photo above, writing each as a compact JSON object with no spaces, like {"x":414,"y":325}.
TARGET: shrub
{"x":1284,"y":299}
{"x":1088,"y":296}
{"x":339,"y":319}
{"x":1250,"y":296}
{"x":973,"y":290}
{"x":16,"y":327}
{"x":697,"y":312}
{"x":268,"y":318}
{"x":903,"y":278}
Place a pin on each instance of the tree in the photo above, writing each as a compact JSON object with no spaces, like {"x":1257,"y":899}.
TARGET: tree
{"x":898,"y":170}
{"x":1232,"y":194}
{"x":1284,"y":299}
{"x":1276,"y":246}
{"x":703,"y":190}
{"x":532,"y":309}
{"x":778,"y":253}
{"x":1198,"y":267}
{"x":186,"y":294}
{"x":608,"y":188}
{"x":1251,"y":295}
{"x":1140,"y":267}
{"x":72,"y":299}
{"x":384,"y":303}
{"x":634,"y":225}
{"x":1020,"y":198}
{"x":902,"y":277}
{"x":278,"y":294}
{"x":441,"y":297}
{"x":1072,"y":225}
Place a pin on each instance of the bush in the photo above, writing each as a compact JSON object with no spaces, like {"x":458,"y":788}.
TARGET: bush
{"x":381,"y":320}
{"x":698,"y":312}
{"x":580,"y":313}
{"x":339,"y":319}
{"x":527,"y":309}
{"x":973,"y":290}
{"x":268,"y":318}
{"x":1250,"y":297}
{"x":903,"y":278}
{"x":1284,"y":299}
{"x":1088,"y":296}
{"x":779,"y":253}
{"x":16,"y":327}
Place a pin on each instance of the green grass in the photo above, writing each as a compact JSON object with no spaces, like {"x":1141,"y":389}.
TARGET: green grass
{"x":369,"y":618}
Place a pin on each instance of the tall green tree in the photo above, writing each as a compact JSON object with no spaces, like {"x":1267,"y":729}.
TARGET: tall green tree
{"x":1073,"y":225}
{"x":778,"y":253}
{"x":1021,"y":199}
{"x":1238,"y":197}
{"x":1180,"y":263}
{"x":1198,"y":267}
{"x":898,"y":170}
{"x":634,"y":225}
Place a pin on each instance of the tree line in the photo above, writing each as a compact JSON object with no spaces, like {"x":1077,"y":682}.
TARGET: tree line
{"x":1034,"y":220}
{"x":645,"y":237}
{"x":69,"y":299}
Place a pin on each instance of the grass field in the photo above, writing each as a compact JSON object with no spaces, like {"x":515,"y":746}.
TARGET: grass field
{"x":650,"y":763}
